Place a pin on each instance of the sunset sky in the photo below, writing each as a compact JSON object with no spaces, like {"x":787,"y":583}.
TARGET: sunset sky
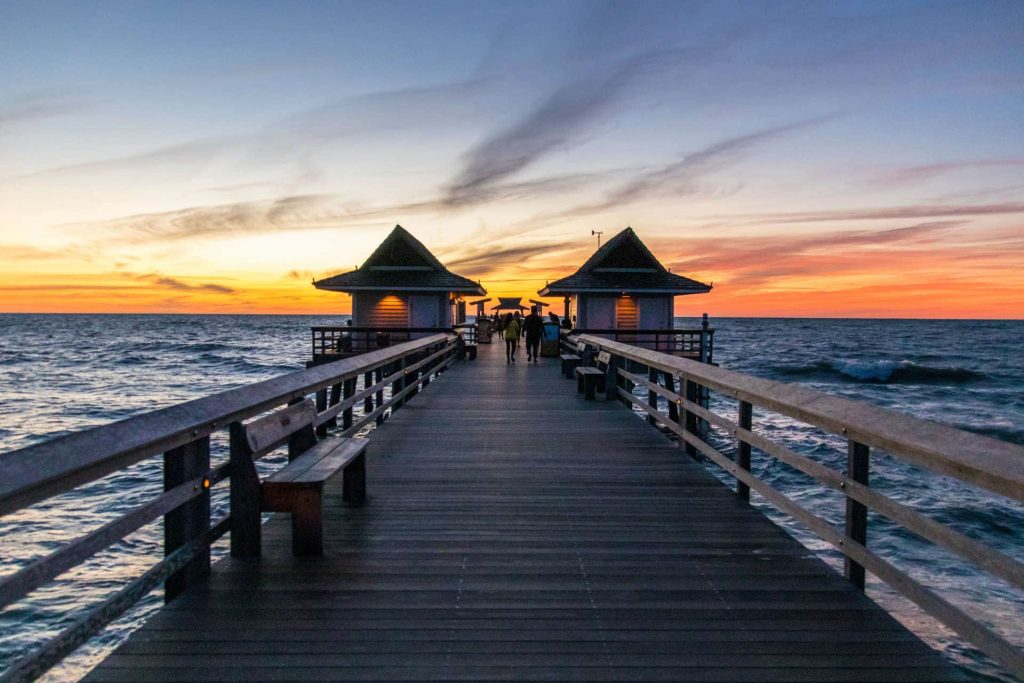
{"x":809,"y":158}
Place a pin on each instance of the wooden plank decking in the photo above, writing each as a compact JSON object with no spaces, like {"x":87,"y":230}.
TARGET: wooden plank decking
{"x":515,"y":532}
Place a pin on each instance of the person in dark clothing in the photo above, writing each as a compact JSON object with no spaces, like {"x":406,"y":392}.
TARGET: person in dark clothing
{"x":533,"y":328}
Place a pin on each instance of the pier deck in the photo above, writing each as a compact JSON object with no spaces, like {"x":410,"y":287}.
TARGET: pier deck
{"x":515,"y":532}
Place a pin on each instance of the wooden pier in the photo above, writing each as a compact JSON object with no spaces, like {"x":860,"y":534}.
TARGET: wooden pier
{"x":512,"y":531}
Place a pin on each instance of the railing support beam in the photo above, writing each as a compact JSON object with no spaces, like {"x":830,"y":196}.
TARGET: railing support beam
{"x":857,"y":465}
{"x":192,"y":519}
{"x":746,"y":421}
{"x":246,"y":540}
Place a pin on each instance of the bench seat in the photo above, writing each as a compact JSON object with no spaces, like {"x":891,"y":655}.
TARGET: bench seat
{"x":588,"y":381}
{"x":569,"y":363}
{"x":298,"y":488}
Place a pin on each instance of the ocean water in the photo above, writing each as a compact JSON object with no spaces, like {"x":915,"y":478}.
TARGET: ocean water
{"x":61,"y":373}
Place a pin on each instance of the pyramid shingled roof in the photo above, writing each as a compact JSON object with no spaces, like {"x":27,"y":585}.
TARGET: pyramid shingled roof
{"x":400,"y":262}
{"x":624,"y":265}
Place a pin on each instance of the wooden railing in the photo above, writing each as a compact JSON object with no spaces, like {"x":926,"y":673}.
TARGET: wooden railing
{"x":976,"y":460}
{"x":697,"y":344}
{"x":342,"y":341}
{"x":182,"y":434}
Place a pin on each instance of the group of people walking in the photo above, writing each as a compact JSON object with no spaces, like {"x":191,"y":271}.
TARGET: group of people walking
{"x":513,"y":327}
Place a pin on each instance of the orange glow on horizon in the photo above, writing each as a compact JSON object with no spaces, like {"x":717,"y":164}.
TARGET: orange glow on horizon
{"x":975,"y":274}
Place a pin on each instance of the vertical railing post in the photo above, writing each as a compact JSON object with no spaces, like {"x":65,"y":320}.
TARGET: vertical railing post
{"x":334,"y":400}
{"x":378,"y":376}
{"x":704,"y":339}
{"x":625,"y":384}
{"x":611,"y":378}
{"x":690,"y":391}
{"x":413,"y":377}
{"x":673,"y":407}
{"x":348,"y":390}
{"x":368,"y":401}
{"x":428,"y":368}
{"x":746,"y":421}
{"x":190,"y":520}
{"x":398,"y":384}
{"x":321,"y":406}
{"x":858,"y":458}
{"x":652,"y":396}
{"x":245,"y":496}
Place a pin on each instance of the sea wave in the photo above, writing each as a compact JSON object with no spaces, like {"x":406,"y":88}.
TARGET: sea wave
{"x":881,"y":372}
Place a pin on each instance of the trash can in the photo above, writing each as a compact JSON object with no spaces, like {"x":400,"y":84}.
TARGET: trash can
{"x":549,"y":340}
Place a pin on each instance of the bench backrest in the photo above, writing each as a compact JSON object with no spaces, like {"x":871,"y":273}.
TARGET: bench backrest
{"x":293,"y":425}
{"x":581,"y":348}
{"x":603,"y":358}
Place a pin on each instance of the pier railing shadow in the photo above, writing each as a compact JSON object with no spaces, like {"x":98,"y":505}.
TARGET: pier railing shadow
{"x":676,"y":401}
{"x":379,"y":382}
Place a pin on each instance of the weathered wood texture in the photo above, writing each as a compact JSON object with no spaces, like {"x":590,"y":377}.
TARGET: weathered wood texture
{"x":514,"y":531}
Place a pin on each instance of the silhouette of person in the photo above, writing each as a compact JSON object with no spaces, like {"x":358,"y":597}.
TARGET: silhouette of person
{"x":533,"y":328}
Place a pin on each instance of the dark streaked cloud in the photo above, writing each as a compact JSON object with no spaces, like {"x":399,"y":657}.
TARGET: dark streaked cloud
{"x":559,"y":120}
{"x":166,"y":282}
{"x":681,"y":178}
{"x":490,"y":258}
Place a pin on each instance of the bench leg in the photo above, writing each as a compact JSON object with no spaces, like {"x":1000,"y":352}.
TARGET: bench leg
{"x":353,"y":483}
{"x":573,"y":364}
{"x":590,"y":388}
{"x":308,"y":524}
{"x":580,"y":382}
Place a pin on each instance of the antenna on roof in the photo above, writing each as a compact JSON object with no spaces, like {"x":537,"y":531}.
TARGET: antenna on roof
{"x":598,"y":233}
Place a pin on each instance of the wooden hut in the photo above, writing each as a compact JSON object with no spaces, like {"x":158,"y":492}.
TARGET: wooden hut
{"x":400,"y":292}
{"x":623,"y":290}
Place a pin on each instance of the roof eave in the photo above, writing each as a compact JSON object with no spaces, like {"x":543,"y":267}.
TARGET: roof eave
{"x":349,"y":289}
{"x":551,"y":291}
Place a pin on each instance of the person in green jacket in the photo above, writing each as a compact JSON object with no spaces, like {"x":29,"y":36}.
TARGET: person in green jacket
{"x":511,"y":338}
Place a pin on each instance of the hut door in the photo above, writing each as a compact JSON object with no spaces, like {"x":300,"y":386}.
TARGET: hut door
{"x":654,"y":315}
{"x":423,"y":312}
{"x":600,"y":313}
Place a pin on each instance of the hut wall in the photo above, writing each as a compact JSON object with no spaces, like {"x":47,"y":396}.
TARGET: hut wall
{"x":378,"y":309}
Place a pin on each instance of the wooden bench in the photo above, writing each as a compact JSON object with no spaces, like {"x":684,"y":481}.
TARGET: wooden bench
{"x":298,"y":487}
{"x":570,"y":361}
{"x":591,"y":379}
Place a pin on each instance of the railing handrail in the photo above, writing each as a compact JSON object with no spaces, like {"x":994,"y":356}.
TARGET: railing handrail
{"x":990,"y":463}
{"x":645,"y":330}
{"x":379,"y":328}
{"x":974,"y":459}
{"x":30,"y":474}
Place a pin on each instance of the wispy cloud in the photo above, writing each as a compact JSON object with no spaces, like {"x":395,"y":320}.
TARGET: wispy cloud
{"x":299,"y":212}
{"x":909,"y":175}
{"x":38,"y":106}
{"x":751,"y":260}
{"x":893,"y":213}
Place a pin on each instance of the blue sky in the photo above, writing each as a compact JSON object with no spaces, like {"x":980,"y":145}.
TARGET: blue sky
{"x":160,"y":135}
